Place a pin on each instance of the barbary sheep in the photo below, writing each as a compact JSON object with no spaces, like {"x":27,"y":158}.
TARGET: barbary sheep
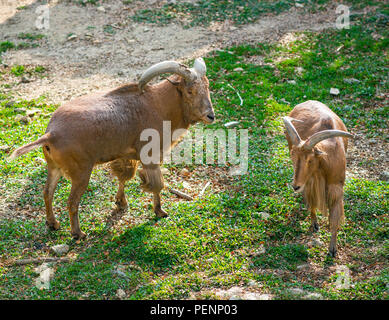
{"x":107,"y":127}
{"x":317,"y":140}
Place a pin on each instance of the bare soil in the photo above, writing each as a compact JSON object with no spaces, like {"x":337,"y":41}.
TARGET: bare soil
{"x":93,"y":59}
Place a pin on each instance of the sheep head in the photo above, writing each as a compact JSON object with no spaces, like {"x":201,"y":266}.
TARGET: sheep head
{"x":192,"y":84}
{"x":305,"y":154}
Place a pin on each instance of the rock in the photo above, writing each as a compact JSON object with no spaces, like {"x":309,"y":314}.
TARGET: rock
{"x":238,"y":69}
{"x":235,"y":298}
{"x":291,"y":81}
{"x":120,"y":293}
{"x":231,"y":124}
{"x":45,"y":275}
{"x":72,"y":37}
{"x":232,"y":28}
{"x":33,"y":112}
{"x":299,"y":70}
{"x":22,"y":119}
{"x":313,"y":296}
{"x":384,"y":176}
{"x":299,"y":5}
{"x":60,"y":249}
{"x":101,"y":9}
{"x":5,"y":148}
{"x":334,"y":91}
{"x":184,"y":172}
{"x":253,"y":296}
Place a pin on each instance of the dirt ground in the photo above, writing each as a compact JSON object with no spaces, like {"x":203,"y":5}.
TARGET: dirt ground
{"x":95,"y":60}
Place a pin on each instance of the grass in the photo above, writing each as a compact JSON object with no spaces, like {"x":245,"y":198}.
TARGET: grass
{"x":221,"y":239}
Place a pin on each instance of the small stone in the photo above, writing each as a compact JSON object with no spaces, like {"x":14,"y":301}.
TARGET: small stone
{"x":101,"y":9}
{"x":184,"y":172}
{"x":33,"y":112}
{"x":232,"y":28}
{"x":46,"y":274}
{"x":238,"y":69}
{"x":72,"y":37}
{"x":231,"y":124}
{"x":5,"y":148}
{"x":235,"y":298}
{"x":120,"y":293}
{"x":299,"y":5}
{"x":60,"y":249}
{"x":334,"y":91}
{"x":22,"y":119}
{"x":291,"y":81}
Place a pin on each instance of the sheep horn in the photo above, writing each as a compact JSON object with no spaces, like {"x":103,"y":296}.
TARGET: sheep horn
{"x":291,"y":130}
{"x":322,"y":135}
{"x":166,"y":67}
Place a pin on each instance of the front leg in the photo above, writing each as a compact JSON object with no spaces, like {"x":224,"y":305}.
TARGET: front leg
{"x":336,"y":215}
{"x":152,"y":181}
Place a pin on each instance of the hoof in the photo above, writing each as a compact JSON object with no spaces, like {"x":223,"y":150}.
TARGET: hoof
{"x":314,"y":227}
{"x":79,"y":235}
{"x":161,"y":213}
{"x":53,"y":225}
{"x":332,"y":253}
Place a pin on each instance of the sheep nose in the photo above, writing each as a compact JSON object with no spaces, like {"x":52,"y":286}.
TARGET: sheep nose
{"x":211,"y":117}
{"x":295,"y":188}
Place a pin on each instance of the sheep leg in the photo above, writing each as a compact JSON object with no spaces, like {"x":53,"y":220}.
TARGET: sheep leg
{"x":79,"y":184}
{"x":314,"y":225}
{"x":336,"y":216}
{"x":124,"y":170}
{"x":53,"y":175}
{"x":152,"y":181}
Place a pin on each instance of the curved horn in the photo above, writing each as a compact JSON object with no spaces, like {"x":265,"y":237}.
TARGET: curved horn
{"x":291,"y":130}
{"x":322,"y":135}
{"x":166,"y":67}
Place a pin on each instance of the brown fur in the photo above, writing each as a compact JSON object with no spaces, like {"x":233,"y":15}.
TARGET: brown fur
{"x":106,"y":127}
{"x":321,"y":171}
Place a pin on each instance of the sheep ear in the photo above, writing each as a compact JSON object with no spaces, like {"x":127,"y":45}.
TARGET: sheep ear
{"x":200,"y":67}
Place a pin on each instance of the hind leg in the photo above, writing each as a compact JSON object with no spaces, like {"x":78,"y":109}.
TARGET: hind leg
{"x":314,"y":225}
{"x":124,"y":170}
{"x":53,"y":176}
{"x":152,"y":181}
{"x":80,"y":180}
